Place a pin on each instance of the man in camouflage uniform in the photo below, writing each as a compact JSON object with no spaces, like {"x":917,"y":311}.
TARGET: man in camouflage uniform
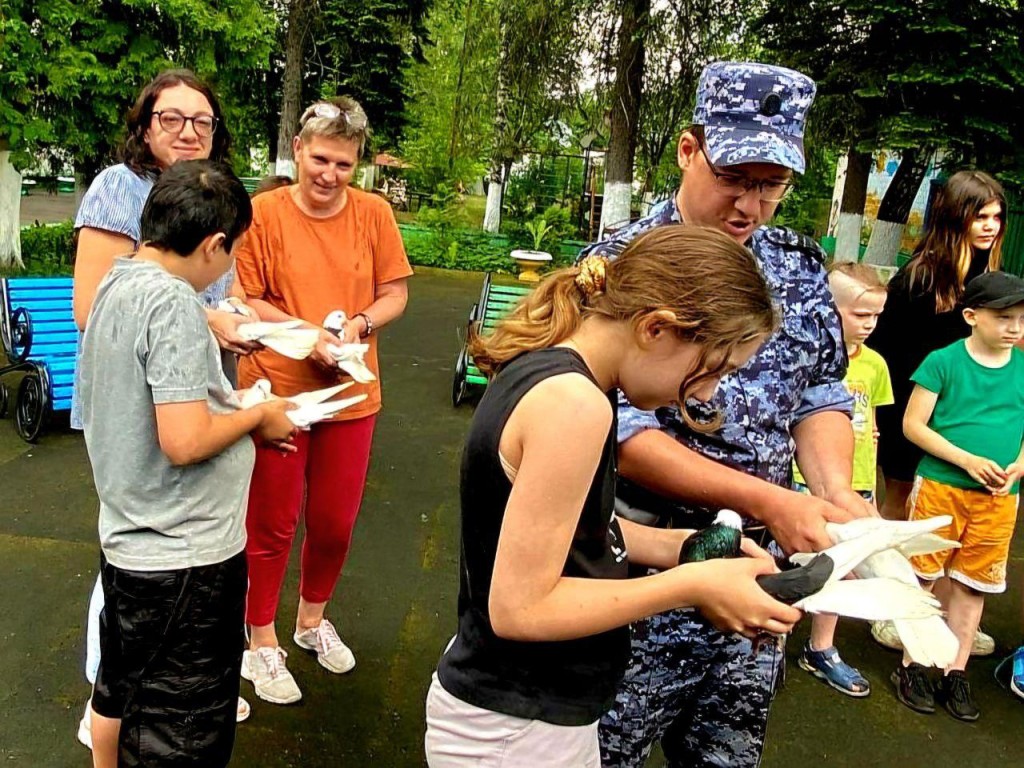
{"x":703,"y":692}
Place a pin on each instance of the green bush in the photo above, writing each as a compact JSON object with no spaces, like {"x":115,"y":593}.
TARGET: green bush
{"x":47,"y":249}
{"x":475,"y":250}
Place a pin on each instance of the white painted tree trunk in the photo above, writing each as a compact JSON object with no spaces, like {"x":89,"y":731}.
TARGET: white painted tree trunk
{"x":10,"y":213}
{"x":285,"y":166}
{"x":492,"y":212}
{"x":884,"y":244}
{"x":615,"y":207}
{"x":837,"y":197}
{"x":848,"y":236}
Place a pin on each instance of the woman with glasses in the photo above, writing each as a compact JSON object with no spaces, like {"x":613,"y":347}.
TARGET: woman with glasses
{"x":330,"y":255}
{"x":176,"y":117}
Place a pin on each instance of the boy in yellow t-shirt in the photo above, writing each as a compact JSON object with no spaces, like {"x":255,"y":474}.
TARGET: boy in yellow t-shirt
{"x":860,"y":298}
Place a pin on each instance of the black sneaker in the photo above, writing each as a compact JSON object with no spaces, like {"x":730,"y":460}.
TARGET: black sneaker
{"x":955,"y":692}
{"x":913,"y":688}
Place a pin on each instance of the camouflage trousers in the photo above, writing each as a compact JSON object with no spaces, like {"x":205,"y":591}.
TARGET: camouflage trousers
{"x":705,"y":694}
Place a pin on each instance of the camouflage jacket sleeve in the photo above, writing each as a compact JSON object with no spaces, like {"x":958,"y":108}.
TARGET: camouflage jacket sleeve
{"x":812,"y":317}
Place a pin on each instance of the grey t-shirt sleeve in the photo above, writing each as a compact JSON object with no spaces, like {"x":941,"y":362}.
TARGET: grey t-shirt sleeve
{"x":173,"y":347}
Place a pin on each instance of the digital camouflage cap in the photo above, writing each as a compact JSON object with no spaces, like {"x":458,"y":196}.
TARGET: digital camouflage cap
{"x":753,"y":113}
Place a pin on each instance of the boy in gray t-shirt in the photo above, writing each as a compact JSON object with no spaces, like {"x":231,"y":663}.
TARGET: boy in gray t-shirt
{"x":171,"y":459}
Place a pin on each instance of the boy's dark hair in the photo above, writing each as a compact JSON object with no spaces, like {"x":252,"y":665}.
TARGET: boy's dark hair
{"x":192,"y":200}
{"x":135,"y":153}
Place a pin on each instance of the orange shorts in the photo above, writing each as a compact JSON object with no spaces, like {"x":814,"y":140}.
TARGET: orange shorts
{"x":982,"y":523}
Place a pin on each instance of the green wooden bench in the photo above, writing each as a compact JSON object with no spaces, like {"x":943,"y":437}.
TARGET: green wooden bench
{"x":495,"y":302}
{"x":250,"y":183}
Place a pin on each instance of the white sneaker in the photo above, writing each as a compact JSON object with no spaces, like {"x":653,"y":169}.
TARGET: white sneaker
{"x":983,"y":645}
{"x":332,"y":654}
{"x":85,"y":726}
{"x":885,"y":634}
{"x":265,"y":669}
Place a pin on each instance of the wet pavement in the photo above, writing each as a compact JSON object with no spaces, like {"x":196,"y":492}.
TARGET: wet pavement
{"x":395,"y":604}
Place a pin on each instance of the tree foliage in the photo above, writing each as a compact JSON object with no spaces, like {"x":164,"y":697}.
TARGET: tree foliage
{"x":451,"y":94}
{"x":915,"y":74}
{"x":69,"y":69}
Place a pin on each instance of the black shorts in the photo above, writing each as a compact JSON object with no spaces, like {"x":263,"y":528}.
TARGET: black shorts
{"x":171,"y":647}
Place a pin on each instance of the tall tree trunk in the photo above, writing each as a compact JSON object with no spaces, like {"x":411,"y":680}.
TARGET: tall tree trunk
{"x":457,"y":106}
{"x":10,"y":210}
{"x":851,"y":209}
{"x":300,"y":14}
{"x":625,"y":113}
{"x":500,"y":157}
{"x":894,"y":210}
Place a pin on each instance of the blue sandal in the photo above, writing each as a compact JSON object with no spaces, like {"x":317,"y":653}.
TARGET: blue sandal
{"x":826,"y":665}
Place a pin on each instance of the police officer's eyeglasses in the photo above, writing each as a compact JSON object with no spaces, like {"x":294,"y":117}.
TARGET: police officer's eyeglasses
{"x":172,"y":121}
{"x":737,"y":185}
{"x":324,"y":109}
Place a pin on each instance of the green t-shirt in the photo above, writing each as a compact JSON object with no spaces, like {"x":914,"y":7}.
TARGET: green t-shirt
{"x":867,"y":379}
{"x":979,"y":410}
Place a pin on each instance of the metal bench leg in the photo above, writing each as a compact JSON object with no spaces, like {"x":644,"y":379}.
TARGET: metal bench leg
{"x":31,"y":407}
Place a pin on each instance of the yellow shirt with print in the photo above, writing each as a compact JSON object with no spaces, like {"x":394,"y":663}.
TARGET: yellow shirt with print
{"x":867,"y":380}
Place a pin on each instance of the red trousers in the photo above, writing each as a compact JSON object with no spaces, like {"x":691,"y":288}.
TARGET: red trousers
{"x":323,"y":481}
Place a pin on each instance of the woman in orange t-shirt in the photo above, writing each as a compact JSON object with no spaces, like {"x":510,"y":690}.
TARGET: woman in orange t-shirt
{"x":315,"y":247}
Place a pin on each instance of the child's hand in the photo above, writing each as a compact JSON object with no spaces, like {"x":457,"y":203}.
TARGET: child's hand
{"x":733,"y":601}
{"x":1013,"y":474}
{"x":985,"y":471}
{"x":275,"y":427}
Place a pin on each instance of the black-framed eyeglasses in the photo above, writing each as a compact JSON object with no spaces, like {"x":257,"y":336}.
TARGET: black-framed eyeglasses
{"x":173,"y":121}
{"x":737,"y":185}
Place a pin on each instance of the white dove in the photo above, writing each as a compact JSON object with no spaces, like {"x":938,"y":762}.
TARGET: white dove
{"x":311,"y":405}
{"x":878,"y":596}
{"x":286,"y":338}
{"x":351,"y":360}
{"x":928,"y":641}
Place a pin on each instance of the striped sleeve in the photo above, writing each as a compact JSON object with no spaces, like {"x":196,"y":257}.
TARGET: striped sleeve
{"x":114,"y":202}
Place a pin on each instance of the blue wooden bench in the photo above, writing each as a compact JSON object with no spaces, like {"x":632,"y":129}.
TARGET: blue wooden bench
{"x":495,"y":302}
{"x":40,"y":339}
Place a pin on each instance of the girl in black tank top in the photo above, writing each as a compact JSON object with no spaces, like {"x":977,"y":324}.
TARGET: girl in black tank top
{"x":544,"y":600}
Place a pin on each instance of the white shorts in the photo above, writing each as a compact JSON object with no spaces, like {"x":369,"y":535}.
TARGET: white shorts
{"x":460,"y":735}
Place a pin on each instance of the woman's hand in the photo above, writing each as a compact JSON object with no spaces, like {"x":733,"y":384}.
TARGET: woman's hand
{"x":733,"y":601}
{"x":225,"y":329}
{"x":321,"y":356}
{"x":353,"y":331}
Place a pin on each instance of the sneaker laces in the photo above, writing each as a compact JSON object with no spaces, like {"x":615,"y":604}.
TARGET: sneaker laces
{"x":959,"y":689}
{"x":918,"y":681}
{"x":273,"y":660}
{"x":327,"y":637}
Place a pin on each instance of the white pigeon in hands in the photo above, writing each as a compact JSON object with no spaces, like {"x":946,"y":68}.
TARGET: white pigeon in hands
{"x":351,"y":359}
{"x":928,"y":641}
{"x":312,"y":407}
{"x":817,"y":586}
{"x":287,"y":338}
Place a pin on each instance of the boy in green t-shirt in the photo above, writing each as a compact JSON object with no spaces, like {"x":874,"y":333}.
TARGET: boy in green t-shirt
{"x":967,"y":413}
{"x":859,"y":295}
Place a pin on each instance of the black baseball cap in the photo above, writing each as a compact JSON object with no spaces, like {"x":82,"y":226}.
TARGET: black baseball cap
{"x":994,"y":290}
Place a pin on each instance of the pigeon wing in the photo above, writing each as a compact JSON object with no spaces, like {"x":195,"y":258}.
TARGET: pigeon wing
{"x":873,"y":600}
